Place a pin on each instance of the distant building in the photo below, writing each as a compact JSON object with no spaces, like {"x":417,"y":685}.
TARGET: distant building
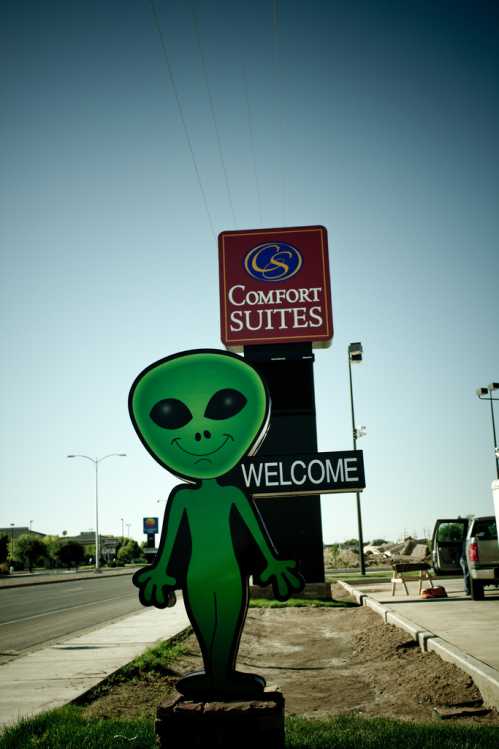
{"x":14,"y":532}
{"x":108,"y":544}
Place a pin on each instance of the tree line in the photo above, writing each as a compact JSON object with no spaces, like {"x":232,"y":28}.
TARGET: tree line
{"x":28,"y":551}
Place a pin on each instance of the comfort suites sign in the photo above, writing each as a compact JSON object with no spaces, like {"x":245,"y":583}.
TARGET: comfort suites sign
{"x":274,"y":286}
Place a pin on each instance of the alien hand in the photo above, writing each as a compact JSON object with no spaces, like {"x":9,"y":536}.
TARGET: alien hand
{"x":284,"y":580}
{"x":156,"y":588}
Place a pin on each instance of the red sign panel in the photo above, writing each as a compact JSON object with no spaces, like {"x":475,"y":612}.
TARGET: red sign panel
{"x":274,"y":286}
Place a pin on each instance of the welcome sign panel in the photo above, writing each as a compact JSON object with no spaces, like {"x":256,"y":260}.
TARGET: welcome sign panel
{"x":291,"y":475}
{"x":275,"y":286}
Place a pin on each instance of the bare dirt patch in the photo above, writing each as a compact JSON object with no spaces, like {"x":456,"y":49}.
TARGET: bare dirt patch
{"x":326,"y":662}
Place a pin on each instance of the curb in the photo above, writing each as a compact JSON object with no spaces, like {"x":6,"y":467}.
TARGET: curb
{"x":485,"y":677}
{"x":68,"y":579}
{"x":359,"y":597}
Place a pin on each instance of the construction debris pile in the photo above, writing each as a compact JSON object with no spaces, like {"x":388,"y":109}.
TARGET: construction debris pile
{"x":346,"y":555}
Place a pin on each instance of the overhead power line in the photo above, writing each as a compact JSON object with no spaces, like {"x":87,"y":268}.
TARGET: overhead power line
{"x":212,"y":108}
{"x":181,"y":113}
{"x":252,"y":143}
{"x":278,"y":113}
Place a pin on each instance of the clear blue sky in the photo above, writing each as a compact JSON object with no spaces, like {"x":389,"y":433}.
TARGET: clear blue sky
{"x":377,"y":119}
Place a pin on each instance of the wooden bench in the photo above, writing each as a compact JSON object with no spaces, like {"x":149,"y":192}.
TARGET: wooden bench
{"x":400,"y":570}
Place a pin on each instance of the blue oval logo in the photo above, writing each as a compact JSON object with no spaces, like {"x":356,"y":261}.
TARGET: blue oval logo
{"x":273,"y":261}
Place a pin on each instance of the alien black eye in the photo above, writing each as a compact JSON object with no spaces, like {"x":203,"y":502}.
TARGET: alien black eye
{"x":170,"y":414}
{"x":224,"y":404}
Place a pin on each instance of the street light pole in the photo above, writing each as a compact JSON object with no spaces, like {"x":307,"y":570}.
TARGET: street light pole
{"x":485,"y":393}
{"x":96,"y":462}
{"x":122,"y":529}
{"x":12,"y":542}
{"x":355,"y":354}
{"x":97,"y":539}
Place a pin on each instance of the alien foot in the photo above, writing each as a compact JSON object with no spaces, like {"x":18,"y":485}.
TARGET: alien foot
{"x":237,"y":686}
{"x":241,"y":685}
{"x":195,"y":685}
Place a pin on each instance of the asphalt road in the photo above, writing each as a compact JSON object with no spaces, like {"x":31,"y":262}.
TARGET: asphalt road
{"x":34,"y":615}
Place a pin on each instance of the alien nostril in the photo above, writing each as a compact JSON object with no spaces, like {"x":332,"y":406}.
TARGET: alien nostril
{"x":197,"y":436}
{"x":207,"y":434}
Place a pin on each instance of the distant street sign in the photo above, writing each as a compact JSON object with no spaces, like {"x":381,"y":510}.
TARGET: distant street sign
{"x":150,"y":525}
{"x":274,"y":286}
{"x":285,"y":475}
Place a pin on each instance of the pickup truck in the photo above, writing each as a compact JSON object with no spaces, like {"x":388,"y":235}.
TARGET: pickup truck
{"x":479,"y":537}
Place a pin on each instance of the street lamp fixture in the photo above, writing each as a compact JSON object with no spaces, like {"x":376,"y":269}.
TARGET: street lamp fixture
{"x":485,"y":393}
{"x":355,"y":354}
{"x":96,"y":462}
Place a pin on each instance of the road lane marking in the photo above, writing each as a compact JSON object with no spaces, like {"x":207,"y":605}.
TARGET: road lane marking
{"x":71,"y":590}
{"x":58,"y":611}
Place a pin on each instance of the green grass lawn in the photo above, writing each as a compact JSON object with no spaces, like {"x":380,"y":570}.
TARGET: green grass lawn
{"x":271,"y":603}
{"x":65,"y":728}
{"x":354,"y":732}
{"x":378,"y":576}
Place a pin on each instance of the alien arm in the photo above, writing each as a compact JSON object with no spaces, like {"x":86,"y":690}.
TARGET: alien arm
{"x":248,"y":514}
{"x":174,"y":511}
{"x":155,"y":585}
{"x":280,"y":572}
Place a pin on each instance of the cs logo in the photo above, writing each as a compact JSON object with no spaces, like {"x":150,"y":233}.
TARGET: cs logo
{"x":273,"y":261}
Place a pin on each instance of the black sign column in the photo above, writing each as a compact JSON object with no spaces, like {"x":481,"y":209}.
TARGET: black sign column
{"x":293,"y":523}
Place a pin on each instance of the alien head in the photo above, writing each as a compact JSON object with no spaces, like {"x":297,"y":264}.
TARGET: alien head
{"x":199,"y":412}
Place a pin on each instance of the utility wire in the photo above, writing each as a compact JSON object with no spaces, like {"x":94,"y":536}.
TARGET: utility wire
{"x":277,"y":101}
{"x":181,"y":113}
{"x":252,"y":144}
{"x":212,"y":109}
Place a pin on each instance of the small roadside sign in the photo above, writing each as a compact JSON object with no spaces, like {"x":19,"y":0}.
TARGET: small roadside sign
{"x":151,"y":525}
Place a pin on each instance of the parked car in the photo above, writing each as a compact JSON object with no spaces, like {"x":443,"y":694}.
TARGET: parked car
{"x":479,"y":537}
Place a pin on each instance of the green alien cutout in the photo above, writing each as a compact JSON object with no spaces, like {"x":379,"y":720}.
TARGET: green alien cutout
{"x":199,"y":413}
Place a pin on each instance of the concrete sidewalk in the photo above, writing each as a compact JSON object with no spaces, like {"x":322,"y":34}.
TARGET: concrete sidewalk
{"x":460,"y":630}
{"x":55,"y":675}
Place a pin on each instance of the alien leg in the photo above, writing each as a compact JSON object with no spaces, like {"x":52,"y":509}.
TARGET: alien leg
{"x":229,"y":606}
{"x":231,"y":603}
{"x":217,"y":614}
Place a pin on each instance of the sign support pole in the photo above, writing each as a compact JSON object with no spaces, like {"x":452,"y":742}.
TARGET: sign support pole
{"x":295,"y":524}
{"x":359,"y":515}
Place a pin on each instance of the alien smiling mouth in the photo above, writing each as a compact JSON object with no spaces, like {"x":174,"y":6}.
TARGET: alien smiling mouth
{"x":202,"y":456}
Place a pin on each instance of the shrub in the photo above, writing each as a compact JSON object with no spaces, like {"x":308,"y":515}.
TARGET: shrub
{"x":70,"y":553}
{"x":29,"y":550}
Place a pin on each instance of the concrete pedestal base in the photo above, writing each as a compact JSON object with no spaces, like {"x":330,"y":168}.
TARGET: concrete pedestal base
{"x":238,"y":725}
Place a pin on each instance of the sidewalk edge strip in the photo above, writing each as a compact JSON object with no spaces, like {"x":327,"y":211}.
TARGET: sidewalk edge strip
{"x":65,"y":580}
